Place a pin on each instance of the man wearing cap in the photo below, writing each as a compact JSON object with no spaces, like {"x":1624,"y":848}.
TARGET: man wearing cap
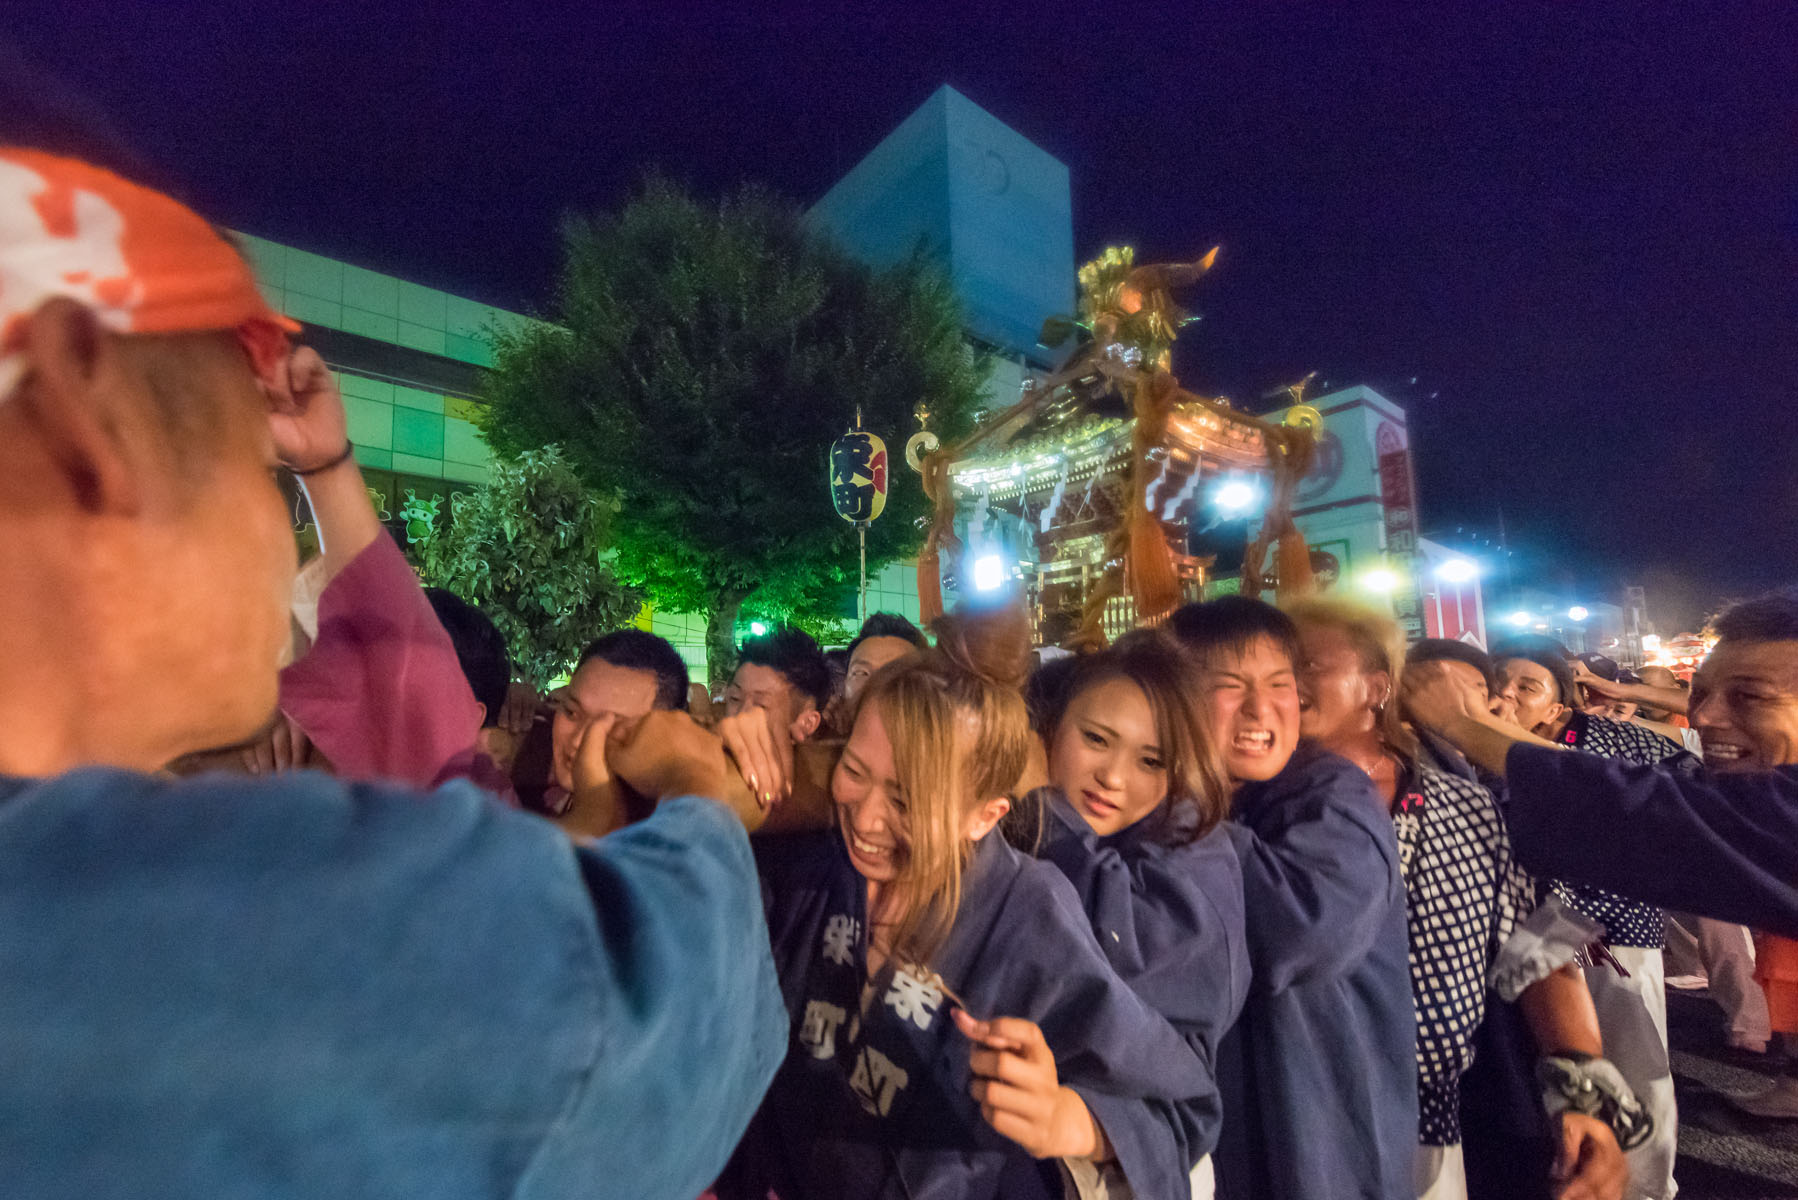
{"x":294,"y":985}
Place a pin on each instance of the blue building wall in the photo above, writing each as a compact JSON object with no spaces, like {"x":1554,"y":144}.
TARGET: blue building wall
{"x":979,"y":197}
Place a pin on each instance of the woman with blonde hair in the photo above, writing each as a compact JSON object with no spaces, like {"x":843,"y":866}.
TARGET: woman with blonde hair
{"x":956,"y":1030}
{"x":1464,"y":895}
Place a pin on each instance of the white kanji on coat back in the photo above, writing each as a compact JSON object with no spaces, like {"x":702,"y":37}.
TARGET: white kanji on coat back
{"x":913,"y":998}
{"x":840,"y":935}
{"x":818,"y":1032}
{"x":876,"y":1081}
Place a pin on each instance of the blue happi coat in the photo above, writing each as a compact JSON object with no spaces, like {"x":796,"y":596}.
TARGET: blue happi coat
{"x":295,"y":987}
{"x":1319,"y":1076}
{"x":1168,"y":914}
{"x":874,"y":1101}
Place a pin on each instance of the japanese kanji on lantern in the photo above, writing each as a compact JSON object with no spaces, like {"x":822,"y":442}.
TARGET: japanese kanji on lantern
{"x":858,"y":475}
{"x":858,"y":489}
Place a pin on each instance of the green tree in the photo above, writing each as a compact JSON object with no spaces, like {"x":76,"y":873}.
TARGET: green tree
{"x":703,"y":358}
{"x":528,"y":548}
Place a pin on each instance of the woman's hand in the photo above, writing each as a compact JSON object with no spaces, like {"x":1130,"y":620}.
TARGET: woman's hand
{"x":1020,"y":1094}
{"x":764,"y":756}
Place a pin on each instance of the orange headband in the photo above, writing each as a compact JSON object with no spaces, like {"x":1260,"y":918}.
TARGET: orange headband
{"x":142,"y":262}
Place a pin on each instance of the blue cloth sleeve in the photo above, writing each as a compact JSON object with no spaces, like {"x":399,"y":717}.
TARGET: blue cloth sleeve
{"x":691,"y":1016}
{"x":1153,"y":1094}
{"x":1719,"y":844}
{"x":1318,"y":888}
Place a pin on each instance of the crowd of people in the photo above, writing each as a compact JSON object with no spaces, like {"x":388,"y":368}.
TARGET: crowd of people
{"x":304,"y":893}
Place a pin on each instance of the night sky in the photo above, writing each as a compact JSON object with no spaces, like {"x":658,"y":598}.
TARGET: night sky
{"x":1573,"y":226}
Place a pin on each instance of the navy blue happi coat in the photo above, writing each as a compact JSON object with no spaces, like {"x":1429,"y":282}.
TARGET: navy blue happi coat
{"x":873,"y":1098}
{"x":1168,"y":914}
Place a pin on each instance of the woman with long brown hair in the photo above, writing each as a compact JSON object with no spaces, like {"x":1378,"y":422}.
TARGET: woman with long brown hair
{"x":956,"y":1028}
{"x":1132,"y":817}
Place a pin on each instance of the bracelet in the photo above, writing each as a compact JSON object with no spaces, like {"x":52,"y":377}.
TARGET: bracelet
{"x":349,"y":449}
{"x":1595,"y":1088}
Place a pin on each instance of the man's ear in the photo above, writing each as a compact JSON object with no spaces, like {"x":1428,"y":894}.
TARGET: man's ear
{"x":72,"y":393}
{"x":1552,"y":722}
{"x":806,"y":724}
{"x":988,"y":815}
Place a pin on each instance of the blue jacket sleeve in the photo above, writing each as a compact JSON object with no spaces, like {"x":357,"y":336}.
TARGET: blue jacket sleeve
{"x":1319,"y":882}
{"x":694,"y":1026}
{"x":1719,"y":844}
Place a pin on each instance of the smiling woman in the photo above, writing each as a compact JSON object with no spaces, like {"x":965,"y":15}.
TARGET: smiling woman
{"x":911,"y":908}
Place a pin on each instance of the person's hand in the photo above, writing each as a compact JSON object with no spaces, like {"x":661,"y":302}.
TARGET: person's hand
{"x":306,"y":412}
{"x":667,"y":754}
{"x":1436,"y":696}
{"x":1589,"y":1165}
{"x":283,"y":747}
{"x":1598,"y":685}
{"x":1504,"y":709}
{"x":595,"y":806}
{"x":591,"y":771}
{"x":1021,"y":1096}
{"x":764,"y":756}
{"x":522,"y":709}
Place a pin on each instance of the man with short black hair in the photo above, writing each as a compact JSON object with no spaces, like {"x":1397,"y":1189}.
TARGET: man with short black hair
{"x":784,"y":674}
{"x":618,"y":679}
{"x":1721,"y":841}
{"x":883,"y":638}
{"x":480,"y":650}
{"x":1319,"y":1075}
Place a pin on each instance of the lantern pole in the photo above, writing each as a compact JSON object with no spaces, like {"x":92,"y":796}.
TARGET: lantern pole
{"x":861,"y":536}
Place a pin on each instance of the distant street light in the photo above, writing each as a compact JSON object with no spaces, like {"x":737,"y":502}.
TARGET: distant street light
{"x":1458,"y":570}
{"x":1577,"y":613}
{"x":1519,"y":618}
{"x":757,"y":629}
{"x":989,"y":573}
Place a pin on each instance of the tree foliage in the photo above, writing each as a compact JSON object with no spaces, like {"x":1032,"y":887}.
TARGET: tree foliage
{"x":703,"y":358}
{"x":528,"y":548}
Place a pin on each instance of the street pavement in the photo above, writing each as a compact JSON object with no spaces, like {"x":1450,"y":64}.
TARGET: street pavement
{"x":1724,"y":1154}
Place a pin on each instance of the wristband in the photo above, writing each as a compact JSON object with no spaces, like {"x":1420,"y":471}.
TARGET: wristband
{"x":1595,"y":1088}
{"x":349,"y":449}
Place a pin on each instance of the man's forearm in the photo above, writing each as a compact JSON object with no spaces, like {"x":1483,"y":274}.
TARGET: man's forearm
{"x":1559,"y":1012}
{"x":1487,"y":740}
{"x":1670,"y":699}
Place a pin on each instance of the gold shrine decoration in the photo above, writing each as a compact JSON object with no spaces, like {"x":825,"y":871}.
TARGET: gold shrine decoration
{"x":1130,"y":322}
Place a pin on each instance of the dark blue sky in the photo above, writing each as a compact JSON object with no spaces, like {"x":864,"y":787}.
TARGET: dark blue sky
{"x":1573,"y":225}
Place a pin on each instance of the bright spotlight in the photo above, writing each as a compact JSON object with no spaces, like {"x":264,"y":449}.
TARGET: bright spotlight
{"x":1519,"y":619}
{"x":1457,"y":570}
{"x":1577,"y":613}
{"x":757,"y":629}
{"x":1380,"y":580}
{"x":989,"y":573}
{"x":1233,"y":495}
